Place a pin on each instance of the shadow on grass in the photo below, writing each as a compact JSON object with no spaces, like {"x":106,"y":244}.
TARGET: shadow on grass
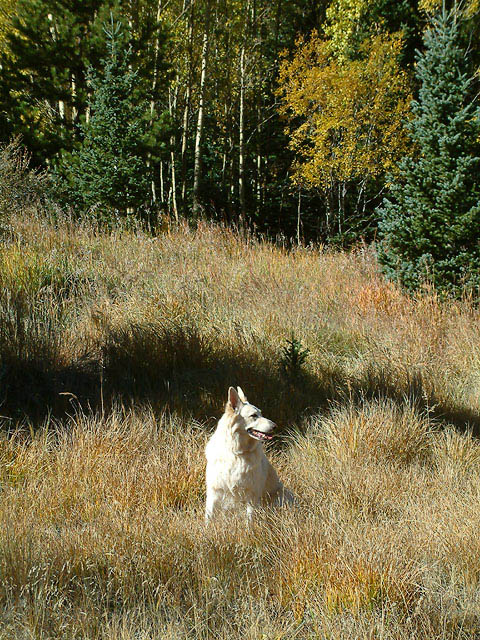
{"x":177,"y":369}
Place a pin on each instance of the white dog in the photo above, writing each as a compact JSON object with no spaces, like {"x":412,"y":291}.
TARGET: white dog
{"x":239,"y":476}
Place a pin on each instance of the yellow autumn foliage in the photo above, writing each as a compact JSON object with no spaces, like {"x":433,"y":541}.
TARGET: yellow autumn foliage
{"x":345,"y":117}
{"x":343,"y":23}
{"x":7,"y":9}
{"x":469,"y":7}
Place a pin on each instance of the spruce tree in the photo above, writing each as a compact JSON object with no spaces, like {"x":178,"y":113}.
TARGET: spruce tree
{"x":430,"y":221}
{"x":43,"y":87}
{"x":47,"y":49}
{"x":109,"y":172}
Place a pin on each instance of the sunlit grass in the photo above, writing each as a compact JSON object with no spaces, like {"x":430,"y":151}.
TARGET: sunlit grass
{"x":200,"y":307}
{"x":103,"y":531}
{"x":116,"y":352}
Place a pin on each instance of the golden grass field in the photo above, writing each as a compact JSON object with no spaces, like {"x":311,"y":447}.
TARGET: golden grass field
{"x":117,"y":349}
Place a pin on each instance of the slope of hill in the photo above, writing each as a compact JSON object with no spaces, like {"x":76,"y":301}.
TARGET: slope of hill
{"x":116,"y":353}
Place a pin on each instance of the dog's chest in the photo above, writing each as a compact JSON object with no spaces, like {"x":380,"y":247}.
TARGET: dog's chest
{"x":239,"y":474}
{"x":245,"y":474}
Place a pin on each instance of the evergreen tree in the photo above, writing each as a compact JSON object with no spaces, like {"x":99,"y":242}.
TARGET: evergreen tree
{"x":430,"y":222}
{"x":109,"y":170}
{"x":43,"y":89}
{"x":47,"y":47}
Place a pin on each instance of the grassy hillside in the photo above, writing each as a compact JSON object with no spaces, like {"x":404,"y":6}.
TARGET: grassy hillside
{"x":117,"y":350}
{"x":87,"y":317}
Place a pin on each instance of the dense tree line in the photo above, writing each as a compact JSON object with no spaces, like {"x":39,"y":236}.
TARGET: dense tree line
{"x":287,"y":117}
{"x":207,"y":68}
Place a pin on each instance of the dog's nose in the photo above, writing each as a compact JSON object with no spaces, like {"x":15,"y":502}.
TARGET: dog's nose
{"x":271,"y":425}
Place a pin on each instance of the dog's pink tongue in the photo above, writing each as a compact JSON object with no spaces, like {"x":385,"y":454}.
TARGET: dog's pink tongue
{"x":266,"y":436}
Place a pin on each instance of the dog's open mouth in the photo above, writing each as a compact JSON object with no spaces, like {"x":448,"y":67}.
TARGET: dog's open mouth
{"x":259,"y":435}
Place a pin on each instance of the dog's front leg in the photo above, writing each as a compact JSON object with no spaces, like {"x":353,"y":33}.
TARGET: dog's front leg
{"x":212,"y":505}
{"x":250,"y":510}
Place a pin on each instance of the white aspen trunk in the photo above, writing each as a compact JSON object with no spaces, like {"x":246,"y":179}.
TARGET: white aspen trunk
{"x":197,"y":168}
{"x":258,"y":185}
{"x":156,"y":54}
{"x":299,"y":215}
{"x":249,"y":21}
{"x":224,"y":155}
{"x":74,"y":95}
{"x":259,"y":176}
{"x":186,"y":111}
{"x":162,"y":185}
{"x":61,"y":103}
{"x":232,"y":177}
{"x":174,"y":187}
{"x":154,"y":88}
{"x":241,"y":141}
{"x":172,"y":104}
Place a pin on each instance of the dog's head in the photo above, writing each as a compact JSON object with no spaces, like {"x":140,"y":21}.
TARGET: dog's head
{"x":248,"y":417}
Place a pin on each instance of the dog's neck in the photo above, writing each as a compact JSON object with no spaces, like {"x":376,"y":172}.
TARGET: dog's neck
{"x":239,"y":442}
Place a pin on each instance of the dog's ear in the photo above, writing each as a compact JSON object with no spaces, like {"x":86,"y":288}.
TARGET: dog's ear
{"x":241,"y":395}
{"x":234,"y":399}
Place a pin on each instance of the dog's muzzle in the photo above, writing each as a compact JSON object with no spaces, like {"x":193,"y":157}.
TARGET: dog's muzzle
{"x":261,"y":435}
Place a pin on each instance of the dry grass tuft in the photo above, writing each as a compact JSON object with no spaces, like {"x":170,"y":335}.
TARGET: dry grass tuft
{"x":380,"y":430}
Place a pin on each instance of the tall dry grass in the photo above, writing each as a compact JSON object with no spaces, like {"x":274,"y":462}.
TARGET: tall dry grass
{"x":116,"y":350}
{"x":172,"y":320}
{"x":103,"y":533}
